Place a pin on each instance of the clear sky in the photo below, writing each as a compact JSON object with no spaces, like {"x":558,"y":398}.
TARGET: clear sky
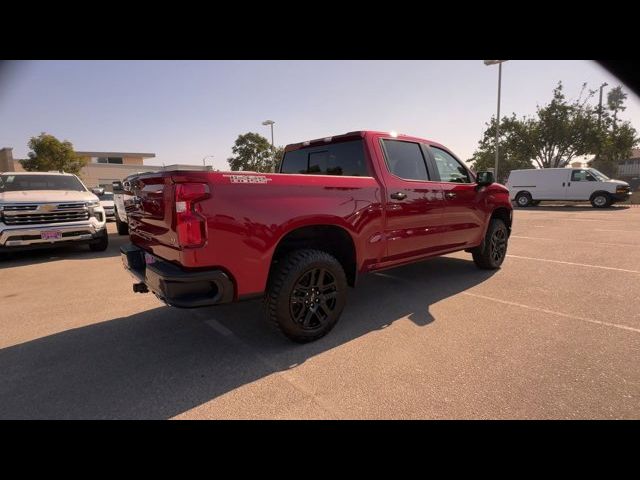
{"x":185,"y":110}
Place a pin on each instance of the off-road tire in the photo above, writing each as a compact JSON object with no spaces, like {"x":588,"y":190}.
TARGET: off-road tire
{"x":493,"y":250}
{"x":289,"y":277}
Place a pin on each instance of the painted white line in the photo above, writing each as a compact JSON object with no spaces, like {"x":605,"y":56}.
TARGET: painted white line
{"x":551,"y":312}
{"x":288,"y":376}
{"x":218,"y":327}
{"x":576,"y":264}
{"x":577,"y":241}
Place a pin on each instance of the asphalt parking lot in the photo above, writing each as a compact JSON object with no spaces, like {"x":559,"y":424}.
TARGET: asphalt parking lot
{"x":555,"y":333}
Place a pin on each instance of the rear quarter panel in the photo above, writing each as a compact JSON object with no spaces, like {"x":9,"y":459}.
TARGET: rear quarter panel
{"x":246,"y":221}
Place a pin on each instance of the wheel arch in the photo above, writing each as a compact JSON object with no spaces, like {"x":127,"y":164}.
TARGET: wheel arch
{"x":330,"y":238}
{"x":599,"y":192}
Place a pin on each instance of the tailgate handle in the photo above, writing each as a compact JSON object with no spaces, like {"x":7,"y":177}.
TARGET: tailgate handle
{"x":398,"y":196}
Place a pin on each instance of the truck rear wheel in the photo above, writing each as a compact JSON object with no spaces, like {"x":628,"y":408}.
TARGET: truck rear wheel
{"x":491,"y":254}
{"x":306,"y":295}
{"x":123,"y":228}
{"x":523,"y":199}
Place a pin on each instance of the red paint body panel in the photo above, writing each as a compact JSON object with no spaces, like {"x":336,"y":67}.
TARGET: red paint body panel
{"x":244,"y":222}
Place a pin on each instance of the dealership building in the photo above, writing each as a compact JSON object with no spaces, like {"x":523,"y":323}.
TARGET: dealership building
{"x":102,"y":168}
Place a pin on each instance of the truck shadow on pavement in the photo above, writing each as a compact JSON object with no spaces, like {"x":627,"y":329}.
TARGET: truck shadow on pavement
{"x":165,"y":361}
{"x":71,"y":252}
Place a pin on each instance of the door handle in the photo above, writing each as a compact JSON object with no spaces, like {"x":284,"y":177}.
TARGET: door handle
{"x":398,"y":196}
{"x":450,"y":195}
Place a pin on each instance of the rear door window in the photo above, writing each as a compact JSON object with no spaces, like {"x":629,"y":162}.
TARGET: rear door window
{"x":343,"y":158}
{"x":405,"y":160}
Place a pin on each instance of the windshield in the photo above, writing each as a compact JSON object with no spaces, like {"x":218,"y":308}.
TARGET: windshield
{"x":599,"y":175}
{"x":17,"y":183}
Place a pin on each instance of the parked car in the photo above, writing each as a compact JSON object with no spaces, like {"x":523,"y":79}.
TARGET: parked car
{"x":340,"y":207}
{"x":107,"y":202}
{"x":49,"y":209}
{"x":122,"y":198}
{"x":530,"y":187}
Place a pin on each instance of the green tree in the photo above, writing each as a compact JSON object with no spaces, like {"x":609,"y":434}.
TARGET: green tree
{"x":511,"y":155}
{"x":279,"y":155}
{"x":48,"y":153}
{"x":559,"y":132}
{"x":253,"y":152}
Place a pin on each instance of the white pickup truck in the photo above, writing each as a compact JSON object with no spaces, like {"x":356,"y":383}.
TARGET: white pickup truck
{"x":121,"y":198}
{"x":39,"y":209}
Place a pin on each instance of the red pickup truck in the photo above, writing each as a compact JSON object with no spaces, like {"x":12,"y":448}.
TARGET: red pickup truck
{"x":339,"y":207}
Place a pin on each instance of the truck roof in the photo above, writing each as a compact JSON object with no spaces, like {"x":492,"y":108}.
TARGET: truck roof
{"x":358,"y":134}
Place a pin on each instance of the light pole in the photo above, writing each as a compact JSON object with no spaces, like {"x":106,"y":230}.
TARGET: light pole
{"x":271,"y":122}
{"x":600,"y":120}
{"x":499,"y":63}
{"x":600,"y":104}
{"x":203,"y":160}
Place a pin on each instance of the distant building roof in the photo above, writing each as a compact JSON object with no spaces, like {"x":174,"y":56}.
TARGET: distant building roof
{"x":116,"y":154}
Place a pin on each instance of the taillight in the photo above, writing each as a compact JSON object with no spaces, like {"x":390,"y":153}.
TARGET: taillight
{"x":190,"y":225}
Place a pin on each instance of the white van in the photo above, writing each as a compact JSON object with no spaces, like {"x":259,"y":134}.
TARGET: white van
{"x":529,"y":187}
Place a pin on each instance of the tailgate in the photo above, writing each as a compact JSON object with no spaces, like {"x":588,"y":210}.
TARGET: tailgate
{"x":149,"y":211}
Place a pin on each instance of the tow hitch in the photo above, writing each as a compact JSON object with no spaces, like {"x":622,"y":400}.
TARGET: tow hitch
{"x":140,"y":288}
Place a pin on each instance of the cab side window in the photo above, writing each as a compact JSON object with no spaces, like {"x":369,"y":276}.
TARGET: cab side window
{"x":405,"y":160}
{"x":450,"y":169}
{"x":582,"y":176}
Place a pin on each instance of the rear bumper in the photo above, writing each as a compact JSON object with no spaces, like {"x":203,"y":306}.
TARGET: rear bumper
{"x":175,"y":286}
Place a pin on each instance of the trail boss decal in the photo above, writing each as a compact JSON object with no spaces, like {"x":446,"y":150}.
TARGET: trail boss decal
{"x":247,"y":178}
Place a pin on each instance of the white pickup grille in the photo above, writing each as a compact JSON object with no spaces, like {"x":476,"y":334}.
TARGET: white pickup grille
{"x":33,"y":214}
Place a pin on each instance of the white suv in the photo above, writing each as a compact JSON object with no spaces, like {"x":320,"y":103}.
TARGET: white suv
{"x":39,"y":209}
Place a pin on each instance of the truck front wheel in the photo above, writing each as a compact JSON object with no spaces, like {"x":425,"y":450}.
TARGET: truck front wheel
{"x":601,"y":200}
{"x":491,"y":253}
{"x":306,"y":295}
{"x":101,"y":244}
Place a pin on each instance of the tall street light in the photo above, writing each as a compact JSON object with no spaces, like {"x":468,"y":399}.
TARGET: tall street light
{"x":600,"y":104}
{"x":271,"y":122}
{"x":499,"y":63}
{"x":600,"y":119}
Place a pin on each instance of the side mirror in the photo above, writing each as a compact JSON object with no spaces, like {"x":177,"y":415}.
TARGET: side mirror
{"x":484,"y":178}
{"x":117,"y":187}
{"x":98,"y":191}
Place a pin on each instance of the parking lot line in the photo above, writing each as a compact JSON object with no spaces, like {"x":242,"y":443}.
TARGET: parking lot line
{"x":287,"y":375}
{"x":551,"y":312}
{"x":577,"y":241}
{"x":576,"y":264}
